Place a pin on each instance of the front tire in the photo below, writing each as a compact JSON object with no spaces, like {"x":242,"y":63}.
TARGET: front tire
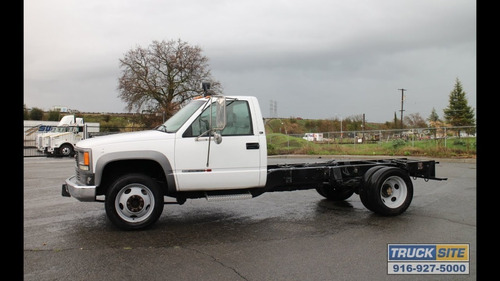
{"x":388,"y":191}
{"x":134,"y":201}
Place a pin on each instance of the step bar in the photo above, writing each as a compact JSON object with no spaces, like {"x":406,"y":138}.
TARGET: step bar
{"x":228,"y":197}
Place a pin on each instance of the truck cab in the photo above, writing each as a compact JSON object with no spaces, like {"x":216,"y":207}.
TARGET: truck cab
{"x":232,"y":157}
{"x":213,"y":146}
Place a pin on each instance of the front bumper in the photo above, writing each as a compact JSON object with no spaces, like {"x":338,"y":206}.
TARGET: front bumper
{"x":73,"y":188}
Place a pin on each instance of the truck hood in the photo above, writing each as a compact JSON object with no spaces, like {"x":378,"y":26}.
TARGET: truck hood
{"x":150,"y":135}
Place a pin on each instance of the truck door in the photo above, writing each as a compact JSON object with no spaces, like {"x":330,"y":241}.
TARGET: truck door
{"x":232,"y":164}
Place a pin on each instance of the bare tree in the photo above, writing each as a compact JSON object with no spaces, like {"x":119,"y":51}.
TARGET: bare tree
{"x":162,"y":77}
{"x":414,"y":120}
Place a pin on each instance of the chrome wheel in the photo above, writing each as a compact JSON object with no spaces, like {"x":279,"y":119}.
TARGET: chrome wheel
{"x":134,"y":203}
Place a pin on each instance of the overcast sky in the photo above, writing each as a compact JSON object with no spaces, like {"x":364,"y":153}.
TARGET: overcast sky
{"x":316,"y":59}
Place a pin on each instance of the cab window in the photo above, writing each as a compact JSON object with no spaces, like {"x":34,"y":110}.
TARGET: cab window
{"x":238,"y":121}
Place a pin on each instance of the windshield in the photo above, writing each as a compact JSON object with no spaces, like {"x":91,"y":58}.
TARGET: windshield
{"x":175,"y":122}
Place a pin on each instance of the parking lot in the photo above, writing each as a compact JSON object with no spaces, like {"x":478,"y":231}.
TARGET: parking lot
{"x":277,"y":236}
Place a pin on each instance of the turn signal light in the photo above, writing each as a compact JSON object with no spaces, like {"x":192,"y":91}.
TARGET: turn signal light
{"x":86,"y":158}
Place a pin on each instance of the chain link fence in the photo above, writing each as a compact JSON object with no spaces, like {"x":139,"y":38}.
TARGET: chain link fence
{"x":371,"y":136}
{"x":460,"y":138}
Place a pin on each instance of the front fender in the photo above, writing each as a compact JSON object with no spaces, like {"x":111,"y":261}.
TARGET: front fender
{"x":156,"y":156}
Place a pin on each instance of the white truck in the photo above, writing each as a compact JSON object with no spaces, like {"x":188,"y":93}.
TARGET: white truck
{"x":62,"y":138}
{"x":313,"y":136}
{"x":215,"y":148}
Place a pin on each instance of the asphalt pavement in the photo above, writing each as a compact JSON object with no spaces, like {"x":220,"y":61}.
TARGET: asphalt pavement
{"x":294,"y":235}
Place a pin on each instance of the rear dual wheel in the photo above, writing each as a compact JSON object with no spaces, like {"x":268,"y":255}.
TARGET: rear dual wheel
{"x":386,"y":190}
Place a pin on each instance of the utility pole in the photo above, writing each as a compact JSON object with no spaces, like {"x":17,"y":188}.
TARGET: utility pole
{"x":363,"y":128}
{"x":402,"y":99}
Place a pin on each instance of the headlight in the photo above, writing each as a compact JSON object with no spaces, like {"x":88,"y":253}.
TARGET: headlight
{"x":83,"y":160}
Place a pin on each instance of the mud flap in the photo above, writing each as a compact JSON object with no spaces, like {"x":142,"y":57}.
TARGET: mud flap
{"x":64,"y":191}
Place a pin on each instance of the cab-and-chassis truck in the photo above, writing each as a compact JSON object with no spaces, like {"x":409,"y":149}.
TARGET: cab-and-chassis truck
{"x":215,"y":148}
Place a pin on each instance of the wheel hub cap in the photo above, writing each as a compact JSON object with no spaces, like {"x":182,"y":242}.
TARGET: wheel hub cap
{"x":393,"y":192}
{"x":387,"y":191}
{"x":135,"y":203}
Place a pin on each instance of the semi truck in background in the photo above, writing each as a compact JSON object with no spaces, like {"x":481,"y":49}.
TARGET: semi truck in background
{"x":61,"y":139}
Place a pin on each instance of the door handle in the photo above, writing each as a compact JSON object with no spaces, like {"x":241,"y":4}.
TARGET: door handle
{"x":253,"y":145}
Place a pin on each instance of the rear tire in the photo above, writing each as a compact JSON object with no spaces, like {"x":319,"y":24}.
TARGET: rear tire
{"x":134,"y":201}
{"x":364,"y":193}
{"x":388,"y":191}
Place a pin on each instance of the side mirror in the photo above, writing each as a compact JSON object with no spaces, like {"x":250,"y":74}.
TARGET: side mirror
{"x":220,"y":113}
{"x":217,"y":119}
{"x":217,"y":138}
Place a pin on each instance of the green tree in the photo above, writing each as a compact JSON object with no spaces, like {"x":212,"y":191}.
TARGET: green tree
{"x":26,"y":115}
{"x":354,"y":122}
{"x":458,"y":112}
{"x":434,"y":116}
{"x":434,"y":121}
{"x":36,"y":114}
{"x":54,"y":115}
{"x":395,"y":121}
{"x":163,"y":76}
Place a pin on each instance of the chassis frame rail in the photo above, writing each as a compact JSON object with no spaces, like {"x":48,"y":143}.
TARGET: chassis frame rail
{"x":287,"y":177}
